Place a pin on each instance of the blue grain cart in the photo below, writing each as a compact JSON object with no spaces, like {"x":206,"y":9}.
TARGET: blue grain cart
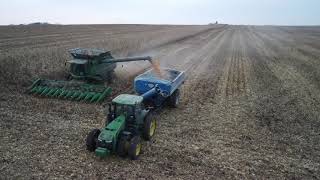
{"x":156,"y":88}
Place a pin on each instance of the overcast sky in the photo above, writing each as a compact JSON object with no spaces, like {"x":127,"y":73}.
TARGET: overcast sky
{"x":257,"y":12}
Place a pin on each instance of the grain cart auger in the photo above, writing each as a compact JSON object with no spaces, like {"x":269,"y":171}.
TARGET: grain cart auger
{"x":131,"y":117}
{"x":87,"y":67}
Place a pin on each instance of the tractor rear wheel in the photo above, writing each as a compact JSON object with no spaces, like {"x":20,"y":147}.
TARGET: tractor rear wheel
{"x":174,"y":98}
{"x":91,"y":140}
{"x":149,"y":127}
{"x":135,"y":148}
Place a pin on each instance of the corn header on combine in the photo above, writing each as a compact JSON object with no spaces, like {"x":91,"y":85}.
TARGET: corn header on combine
{"x":70,"y":90}
{"x":87,"y":69}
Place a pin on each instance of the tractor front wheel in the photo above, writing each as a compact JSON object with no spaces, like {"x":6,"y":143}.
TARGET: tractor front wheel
{"x":149,"y":127}
{"x":121,"y":147}
{"x":91,"y":140}
{"x":174,"y":98}
{"x":135,"y":148}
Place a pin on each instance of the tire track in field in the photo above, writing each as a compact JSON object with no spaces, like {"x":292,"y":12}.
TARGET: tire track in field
{"x":290,"y":46}
{"x":196,"y":61}
{"x":294,"y":37}
{"x":288,"y":71}
{"x":232,"y":88}
{"x":245,"y":62}
{"x":206,"y":74}
{"x":231,"y":70}
{"x":286,"y":104}
{"x":235,"y":71}
{"x":304,"y":61}
{"x":295,"y":91}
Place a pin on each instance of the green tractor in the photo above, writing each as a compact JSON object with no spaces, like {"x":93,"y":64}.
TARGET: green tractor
{"x":126,"y":123}
{"x":86,"y":69}
{"x":131,"y":116}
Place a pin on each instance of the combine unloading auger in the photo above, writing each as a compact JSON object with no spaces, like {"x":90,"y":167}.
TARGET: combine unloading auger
{"x":87,"y":66}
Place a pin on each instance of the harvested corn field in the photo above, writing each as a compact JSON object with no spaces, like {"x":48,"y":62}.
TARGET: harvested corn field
{"x":249,"y":109}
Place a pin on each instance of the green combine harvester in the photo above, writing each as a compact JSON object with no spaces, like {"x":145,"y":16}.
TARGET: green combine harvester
{"x":88,"y":69}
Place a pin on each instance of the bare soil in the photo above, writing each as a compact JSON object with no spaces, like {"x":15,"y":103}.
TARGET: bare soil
{"x":250,"y":108}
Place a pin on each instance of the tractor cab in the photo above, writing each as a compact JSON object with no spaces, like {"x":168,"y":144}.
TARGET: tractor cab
{"x":125,"y":104}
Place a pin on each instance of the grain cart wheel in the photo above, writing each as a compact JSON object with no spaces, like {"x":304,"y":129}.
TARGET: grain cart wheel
{"x":135,"y":147}
{"x":149,"y":127}
{"x":174,"y":98}
{"x":92,"y":139}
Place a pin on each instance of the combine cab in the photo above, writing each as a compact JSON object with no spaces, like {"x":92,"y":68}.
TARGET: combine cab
{"x":87,"y":68}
